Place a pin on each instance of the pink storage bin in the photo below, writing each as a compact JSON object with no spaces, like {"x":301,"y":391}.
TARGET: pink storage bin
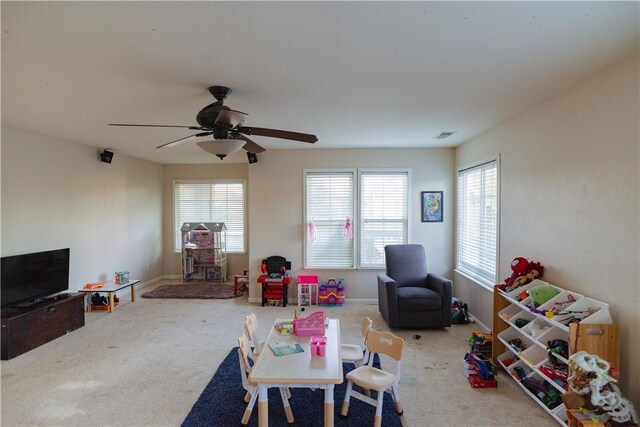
{"x":318,"y":346}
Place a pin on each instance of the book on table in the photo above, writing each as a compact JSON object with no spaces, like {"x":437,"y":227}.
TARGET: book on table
{"x":284,"y":348}
{"x":284,"y":328}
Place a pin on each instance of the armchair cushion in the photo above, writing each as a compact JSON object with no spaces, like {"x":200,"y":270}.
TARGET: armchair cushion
{"x":418,"y":299}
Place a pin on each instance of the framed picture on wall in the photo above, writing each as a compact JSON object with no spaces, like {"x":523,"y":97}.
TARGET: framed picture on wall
{"x":431,"y":206}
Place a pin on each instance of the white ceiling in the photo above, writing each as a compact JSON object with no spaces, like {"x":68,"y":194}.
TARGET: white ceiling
{"x":356,"y":74}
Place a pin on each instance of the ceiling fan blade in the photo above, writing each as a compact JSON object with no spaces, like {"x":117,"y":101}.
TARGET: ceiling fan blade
{"x":182,"y":140}
{"x":250,"y":146}
{"x":275,"y":133}
{"x":157,"y":126}
{"x":230,"y":118}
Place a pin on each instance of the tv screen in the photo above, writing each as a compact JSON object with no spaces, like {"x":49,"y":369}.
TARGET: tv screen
{"x":28,"y":277}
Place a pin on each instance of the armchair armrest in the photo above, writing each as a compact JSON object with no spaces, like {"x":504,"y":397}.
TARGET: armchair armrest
{"x":444,"y":287}
{"x":388,"y":299}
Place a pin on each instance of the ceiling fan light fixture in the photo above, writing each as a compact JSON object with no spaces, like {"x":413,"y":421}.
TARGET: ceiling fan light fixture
{"x":221,"y":147}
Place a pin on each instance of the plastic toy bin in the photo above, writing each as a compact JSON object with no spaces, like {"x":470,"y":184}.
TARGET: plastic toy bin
{"x":307,"y":290}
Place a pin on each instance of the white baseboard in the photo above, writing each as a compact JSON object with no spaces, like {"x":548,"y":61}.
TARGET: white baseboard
{"x":477,"y":322}
{"x":294,"y":301}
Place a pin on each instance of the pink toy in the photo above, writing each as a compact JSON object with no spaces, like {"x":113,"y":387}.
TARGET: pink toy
{"x":331,"y":292}
{"x":318,"y":346}
{"x":312,"y":232}
{"x":348,"y":229}
{"x":311,"y":325}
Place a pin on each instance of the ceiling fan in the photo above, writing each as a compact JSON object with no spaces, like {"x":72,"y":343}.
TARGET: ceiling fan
{"x":224,"y":125}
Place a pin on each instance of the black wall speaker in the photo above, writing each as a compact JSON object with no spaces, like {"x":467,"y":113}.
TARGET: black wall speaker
{"x":106,"y":156}
{"x":253,"y":157}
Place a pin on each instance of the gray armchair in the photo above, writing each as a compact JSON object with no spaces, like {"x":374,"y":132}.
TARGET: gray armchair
{"x":408,"y":296}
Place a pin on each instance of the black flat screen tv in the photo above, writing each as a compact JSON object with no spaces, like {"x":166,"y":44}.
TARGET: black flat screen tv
{"x":29,"y":277}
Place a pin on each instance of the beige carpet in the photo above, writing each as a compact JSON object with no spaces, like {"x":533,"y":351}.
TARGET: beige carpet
{"x":146,"y":363}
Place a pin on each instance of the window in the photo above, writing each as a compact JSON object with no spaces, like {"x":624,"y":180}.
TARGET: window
{"x":211,"y":201}
{"x":330,"y":198}
{"x":478,"y":221}
{"x":383,"y":214}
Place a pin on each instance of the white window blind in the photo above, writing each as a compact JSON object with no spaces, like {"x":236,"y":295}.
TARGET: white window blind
{"x":478,"y":222}
{"x":211,"y":201}
{"x":383,"y":214}
{"x":329,"y":201}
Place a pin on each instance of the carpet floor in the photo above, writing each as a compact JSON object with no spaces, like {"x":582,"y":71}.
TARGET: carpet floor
{"x":193,"y":290}
{"x":147,"y":363}
{"x":307,"y":405}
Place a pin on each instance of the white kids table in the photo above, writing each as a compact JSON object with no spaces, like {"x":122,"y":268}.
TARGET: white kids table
{"x":299,"y":369}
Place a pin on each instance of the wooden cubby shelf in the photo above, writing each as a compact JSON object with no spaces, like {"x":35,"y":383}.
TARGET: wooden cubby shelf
{"x":514,"y":322}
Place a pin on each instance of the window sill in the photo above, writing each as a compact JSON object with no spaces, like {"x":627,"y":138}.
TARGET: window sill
{"x":485,"y":285}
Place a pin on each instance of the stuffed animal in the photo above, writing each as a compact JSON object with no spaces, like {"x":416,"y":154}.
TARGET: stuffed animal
{"x":542,"y":294}
{"x":535,"y":271}
{"x":523,"y":272}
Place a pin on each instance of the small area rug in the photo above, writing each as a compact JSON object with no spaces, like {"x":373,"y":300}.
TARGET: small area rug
{"x":221,"y":404}
{"x":193,"y":290}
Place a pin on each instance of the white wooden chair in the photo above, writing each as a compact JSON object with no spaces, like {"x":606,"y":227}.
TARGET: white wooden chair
{"x":244,"y":355}
{"x":251,"y":330}
{"x":355,"y":353}
{"x":372,"y":378}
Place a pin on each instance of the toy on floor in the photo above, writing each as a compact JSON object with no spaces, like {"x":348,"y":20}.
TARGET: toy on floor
{"x":591,"y":378}
{"x":331,"y":292}
{"x":482,"y":371}
{"x":481,"y":344}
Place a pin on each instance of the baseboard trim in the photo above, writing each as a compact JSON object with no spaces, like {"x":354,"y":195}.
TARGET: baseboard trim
{"x":477,"y":322}
{"x":294,"y":301}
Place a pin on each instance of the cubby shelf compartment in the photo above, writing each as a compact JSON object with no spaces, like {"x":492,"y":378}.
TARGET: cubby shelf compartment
{"x":508,"y":307}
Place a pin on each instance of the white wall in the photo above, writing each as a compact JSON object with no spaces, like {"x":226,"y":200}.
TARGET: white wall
{"x":276,"y":207}
{"x":57,"y":194}
{"x":570,"y":199}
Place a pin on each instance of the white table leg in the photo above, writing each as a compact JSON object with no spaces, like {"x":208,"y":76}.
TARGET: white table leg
{"x":263,"y":406}
{"x":328,"y":405}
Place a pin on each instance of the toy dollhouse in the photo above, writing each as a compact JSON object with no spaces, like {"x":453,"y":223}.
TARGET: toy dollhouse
{"x":331,"y":292}
{"x":204,"y":255}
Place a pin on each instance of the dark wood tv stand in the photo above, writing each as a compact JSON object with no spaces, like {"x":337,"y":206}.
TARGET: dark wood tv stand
{"x":25,"y":328}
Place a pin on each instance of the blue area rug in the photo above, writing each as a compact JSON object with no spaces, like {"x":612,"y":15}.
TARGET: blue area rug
{"x":221,"y":404}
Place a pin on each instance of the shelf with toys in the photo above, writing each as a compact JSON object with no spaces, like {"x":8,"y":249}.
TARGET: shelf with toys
{"x":531,"y":321}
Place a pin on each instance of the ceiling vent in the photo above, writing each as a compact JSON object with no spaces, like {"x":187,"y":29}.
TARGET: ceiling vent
{"x":443,"y":135}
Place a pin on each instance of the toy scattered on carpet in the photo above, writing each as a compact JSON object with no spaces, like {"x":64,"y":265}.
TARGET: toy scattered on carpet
{"x":591,"y":378}
{"x":524,"y":272}
{"x":481,"y":372}
{"x":478,"y":368}
{"x":331,"y":292}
